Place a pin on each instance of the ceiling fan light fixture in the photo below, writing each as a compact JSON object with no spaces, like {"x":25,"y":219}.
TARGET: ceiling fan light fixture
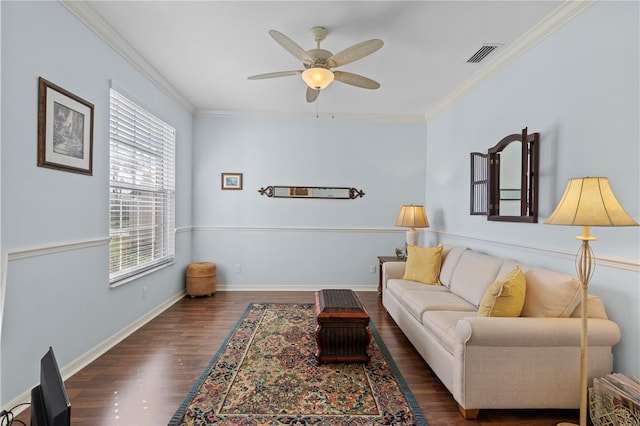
{"x":317,"y":77}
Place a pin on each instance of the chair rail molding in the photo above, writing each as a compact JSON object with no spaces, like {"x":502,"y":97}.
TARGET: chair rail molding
{"x":608,"y":261}
{"x":297,"y":229}
{"x":55,"y":248}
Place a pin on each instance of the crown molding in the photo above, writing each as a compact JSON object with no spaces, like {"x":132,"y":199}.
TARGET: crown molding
{"x":94,"y":22}
{"x":556,"y":19}
{"x":383,"y":118}
{"x":87,"y":15}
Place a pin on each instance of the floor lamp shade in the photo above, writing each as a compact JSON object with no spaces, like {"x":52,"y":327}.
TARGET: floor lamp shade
{"x":587,"y":202}
{"x":412,"y":217}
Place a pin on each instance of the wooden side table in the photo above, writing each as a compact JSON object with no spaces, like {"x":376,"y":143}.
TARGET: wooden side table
{"x":383,"y":259}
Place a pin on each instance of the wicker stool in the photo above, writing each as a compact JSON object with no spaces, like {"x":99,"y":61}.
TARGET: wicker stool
{"x":201,"y":279}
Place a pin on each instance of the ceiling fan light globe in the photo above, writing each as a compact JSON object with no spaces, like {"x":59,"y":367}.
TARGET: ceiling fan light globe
{"x":317,"y":78}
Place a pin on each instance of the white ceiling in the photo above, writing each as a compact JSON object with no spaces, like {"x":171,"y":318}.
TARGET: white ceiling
{"x":202,"y":52}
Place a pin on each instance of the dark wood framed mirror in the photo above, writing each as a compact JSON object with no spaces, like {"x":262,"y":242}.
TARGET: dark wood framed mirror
{"x":504,"y":182}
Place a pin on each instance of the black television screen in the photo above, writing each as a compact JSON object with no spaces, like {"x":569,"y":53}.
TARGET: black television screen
{"x":49,"y":401}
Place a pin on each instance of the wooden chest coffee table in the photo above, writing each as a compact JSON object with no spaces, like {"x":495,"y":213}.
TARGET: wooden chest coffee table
{"x":342,"y":333}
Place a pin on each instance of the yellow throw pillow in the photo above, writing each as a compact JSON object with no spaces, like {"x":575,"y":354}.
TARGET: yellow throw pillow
{"x":423,"y":264}
{"x":505,"y":296}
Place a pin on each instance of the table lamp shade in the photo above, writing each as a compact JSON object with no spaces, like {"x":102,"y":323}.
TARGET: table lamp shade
{"x":589,"y":201}
{"x":412,"y":217}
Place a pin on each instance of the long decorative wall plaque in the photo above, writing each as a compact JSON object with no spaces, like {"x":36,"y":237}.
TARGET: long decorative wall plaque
{"x":329,"y":192}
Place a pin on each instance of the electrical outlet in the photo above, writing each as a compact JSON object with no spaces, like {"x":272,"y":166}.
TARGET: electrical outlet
{"x":144,"y":292}
{"x":238,"y":268}
{"x":372,"y":269}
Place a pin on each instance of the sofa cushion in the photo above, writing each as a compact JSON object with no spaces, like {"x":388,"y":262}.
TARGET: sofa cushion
{"x":595,"y":308}
{"x":508,"y":265}
{"x":413,"y":296}
{"x":423,"y":264}
{"x":473,"y":274}
{"x":550,"y":293}
{"x":418,"y":301}
{"x":505,"y":296}
{"x":442,"y":325}
{"x":450,"y":257}
{"x":400,"y":287}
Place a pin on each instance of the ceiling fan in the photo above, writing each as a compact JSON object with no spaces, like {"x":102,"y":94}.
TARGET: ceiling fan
{"x":318,"y":63}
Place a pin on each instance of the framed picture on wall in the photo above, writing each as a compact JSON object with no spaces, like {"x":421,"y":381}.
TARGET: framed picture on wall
{"x":65,"y":130}
{"x":231,"y":180}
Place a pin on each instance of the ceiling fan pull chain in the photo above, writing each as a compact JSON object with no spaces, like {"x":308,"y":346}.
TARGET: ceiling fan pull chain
{"x":333,"y":106}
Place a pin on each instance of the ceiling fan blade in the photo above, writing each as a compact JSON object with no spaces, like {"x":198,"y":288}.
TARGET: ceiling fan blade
{"x":355,"y":52}
{"x":355,"y":80}
{"x":291,"y":47}
{"x":312,"y":94}
{"x":275,"y":74}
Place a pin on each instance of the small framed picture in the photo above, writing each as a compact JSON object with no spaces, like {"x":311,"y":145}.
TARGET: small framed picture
{"x":231,"y":180}
{"x":65,"y":130}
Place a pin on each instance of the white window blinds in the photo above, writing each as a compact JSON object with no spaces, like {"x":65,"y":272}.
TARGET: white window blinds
{"x":141,"y":191}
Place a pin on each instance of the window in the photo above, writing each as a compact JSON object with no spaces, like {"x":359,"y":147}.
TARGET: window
{"x":141,"y":190}
{"x":479,"y":184}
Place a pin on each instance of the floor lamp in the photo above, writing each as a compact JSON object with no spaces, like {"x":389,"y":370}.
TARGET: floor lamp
{"x":587,"y":202}
{"x":412,"y":217}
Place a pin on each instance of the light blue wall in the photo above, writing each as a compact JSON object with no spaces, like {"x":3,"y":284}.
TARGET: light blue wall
{"x":308,"y":243}
{"x":580,"y":89}
{"x":54,"y":223}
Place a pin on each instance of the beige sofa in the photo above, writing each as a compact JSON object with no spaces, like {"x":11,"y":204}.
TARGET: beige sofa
{"x":531,"y":361}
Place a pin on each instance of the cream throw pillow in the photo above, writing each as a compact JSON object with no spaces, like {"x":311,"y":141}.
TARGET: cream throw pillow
{"x":505,"y":296}
{"x":550,"y":294}
{"x":423,"y":264}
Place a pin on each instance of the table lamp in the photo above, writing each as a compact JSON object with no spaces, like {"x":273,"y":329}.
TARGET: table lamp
{"x":586,"y":202}
{"x":413,"y":217}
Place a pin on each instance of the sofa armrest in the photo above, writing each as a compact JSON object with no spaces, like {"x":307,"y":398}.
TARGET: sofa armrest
{"x":506,"y":355}
{"x":392,"y":270}
{"x":534,"y":332}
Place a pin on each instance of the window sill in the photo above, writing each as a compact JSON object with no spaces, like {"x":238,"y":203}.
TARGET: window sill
{"x":130,"y":278}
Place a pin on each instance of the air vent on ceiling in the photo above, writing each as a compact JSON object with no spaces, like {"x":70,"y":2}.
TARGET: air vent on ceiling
{"x":482,"y":53}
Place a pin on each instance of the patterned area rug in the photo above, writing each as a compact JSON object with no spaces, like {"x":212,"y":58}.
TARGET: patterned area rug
{"x":266,"y":374}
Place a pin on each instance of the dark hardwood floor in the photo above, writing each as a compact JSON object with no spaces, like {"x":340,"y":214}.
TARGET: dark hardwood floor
{"x":144,"y":379}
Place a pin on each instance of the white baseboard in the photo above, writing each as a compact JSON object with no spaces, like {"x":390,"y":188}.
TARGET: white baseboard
{"x":88,"y":357}
{"x":293,"y":287}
